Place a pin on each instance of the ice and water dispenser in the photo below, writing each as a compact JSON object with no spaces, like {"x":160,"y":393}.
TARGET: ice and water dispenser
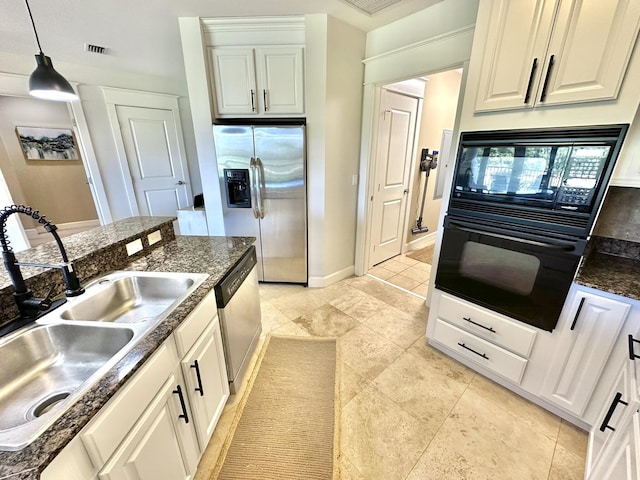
{"x":237,"y":187}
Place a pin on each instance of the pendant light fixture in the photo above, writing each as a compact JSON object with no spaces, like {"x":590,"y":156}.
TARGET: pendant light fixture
{"x":45,"y":82}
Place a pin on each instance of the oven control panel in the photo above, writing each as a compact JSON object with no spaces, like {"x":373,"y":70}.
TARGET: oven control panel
{"x":575,"y":196}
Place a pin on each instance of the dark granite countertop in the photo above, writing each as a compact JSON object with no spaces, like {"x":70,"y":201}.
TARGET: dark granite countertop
{"x":612,"y":274}
{"x":214,"y":256}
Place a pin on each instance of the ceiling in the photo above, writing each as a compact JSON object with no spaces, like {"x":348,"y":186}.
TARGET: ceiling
{"x":143,"y":35}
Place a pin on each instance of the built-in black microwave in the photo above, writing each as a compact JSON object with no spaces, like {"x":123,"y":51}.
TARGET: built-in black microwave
{"x":546,"y":179}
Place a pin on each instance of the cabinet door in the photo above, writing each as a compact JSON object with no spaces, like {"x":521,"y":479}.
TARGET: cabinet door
{"x":613,"y":440}
{"x":591,"y":45}
{"x":280,"y":79}
{"x":159,"y":445}
{"x":205,"y":375}
{"x":585,"y":339}
{"x":514,"y":53}
{"x":234,"y":80}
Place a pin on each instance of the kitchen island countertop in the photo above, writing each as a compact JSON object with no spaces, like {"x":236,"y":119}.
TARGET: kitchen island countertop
{"x":214,"y":256}
{"x":612,"y":274}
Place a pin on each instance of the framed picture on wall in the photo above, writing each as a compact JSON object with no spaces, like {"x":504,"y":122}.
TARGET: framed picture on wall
{"x":48,"y":143}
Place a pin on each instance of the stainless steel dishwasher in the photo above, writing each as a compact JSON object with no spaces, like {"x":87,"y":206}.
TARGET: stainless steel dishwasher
{"x":240,"y":319}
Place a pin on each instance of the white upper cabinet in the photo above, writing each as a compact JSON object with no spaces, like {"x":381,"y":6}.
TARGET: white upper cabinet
{"x":266,"y":80}
{"x":550,"y":52}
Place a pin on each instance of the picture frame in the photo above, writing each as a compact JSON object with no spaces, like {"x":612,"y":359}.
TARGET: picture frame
{"x":48,"y":143}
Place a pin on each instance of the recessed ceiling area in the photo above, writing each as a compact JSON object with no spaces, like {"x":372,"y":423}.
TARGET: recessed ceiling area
{"x":371,"y":6}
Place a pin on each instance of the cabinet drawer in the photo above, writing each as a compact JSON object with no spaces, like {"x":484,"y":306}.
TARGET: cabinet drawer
{"x":201,"y":316}
{"x":507,"y":333}
{"x":487,"y":354}
{"x":104,"y":433}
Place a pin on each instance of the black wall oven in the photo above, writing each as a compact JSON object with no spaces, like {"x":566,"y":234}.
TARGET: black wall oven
{"x":521,"y":209}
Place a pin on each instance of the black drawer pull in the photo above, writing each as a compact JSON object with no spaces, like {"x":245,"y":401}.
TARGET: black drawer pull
{"x":612,"y":408}
{"x":543,"y":95}
{"x":178,"y":391}
{"x":199,"y":387}
{"x":632,"y":354}
{"x":479,"y":325}
{"x":534,"y":67}
{"x":264,"y":97}
{"x":483,"y":355}
{"x":575,"y":319}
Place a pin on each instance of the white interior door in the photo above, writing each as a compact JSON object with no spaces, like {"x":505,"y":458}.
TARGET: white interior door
{"x":158,"y":169}
{"x":394,"y":153}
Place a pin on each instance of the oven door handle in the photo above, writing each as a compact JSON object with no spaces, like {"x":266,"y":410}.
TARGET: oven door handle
{"x":555,"y":246}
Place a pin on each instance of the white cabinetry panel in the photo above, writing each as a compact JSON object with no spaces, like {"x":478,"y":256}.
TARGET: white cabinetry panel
{"x":234,"y":79}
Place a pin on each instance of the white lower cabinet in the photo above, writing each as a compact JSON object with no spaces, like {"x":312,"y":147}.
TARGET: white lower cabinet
{"x":162,"y":444}
{"x":585,"y":338}
{"x":160,"y":422}
{"x":614,"y":440}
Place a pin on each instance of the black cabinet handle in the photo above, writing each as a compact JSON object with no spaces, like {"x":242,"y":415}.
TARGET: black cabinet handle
{"x":483,"y":355}
{"x":199,"y":387}
{"x":253,"y":103}
{"x":479,"y":325}
{"x":575,"y":319}
{"x":534,"y":67}
{"x":264,"y":98}
{"x":185,"y":416}
{"x":543,"y":95}
{"x":632,"y":354}
{"x":612,"y":408}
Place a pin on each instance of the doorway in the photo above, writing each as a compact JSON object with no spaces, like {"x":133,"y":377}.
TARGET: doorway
{"x":435,"y":122}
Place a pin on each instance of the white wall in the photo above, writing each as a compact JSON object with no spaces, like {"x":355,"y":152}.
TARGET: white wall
{"x":90,"y":80}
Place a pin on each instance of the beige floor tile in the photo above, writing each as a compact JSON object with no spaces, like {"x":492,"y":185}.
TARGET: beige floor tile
{"x":441,"y":362}
{"x":358,"y":304}
{"x":348,"y":471}
{"x":326,"y":321}
{"x":367,"y":352}
{"x":418,"y":273}
{"x":380,"y":439}
{"x":566,"y":465}
{"x":422,"y":289}
{"x":404,"y":282}
{"x":404,"y":259}
{"x":425,"y":392}
{"x":351,"y":383}
{"x":332,"y":291}
{"x":425,"y":267}
{"x":532,"y":415}
{"x":573,"y":439}
{"x":482,"y":440}
{"x":394,"y":265}
{"x":291,"y":329}
{"x":297,"y":304}
{"x":396,"y":326}
{"x":272,"y":318}
{"x":382,"y":273}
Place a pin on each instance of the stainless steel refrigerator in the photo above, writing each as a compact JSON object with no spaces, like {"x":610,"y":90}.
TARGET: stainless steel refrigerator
{"x":262,"y":176}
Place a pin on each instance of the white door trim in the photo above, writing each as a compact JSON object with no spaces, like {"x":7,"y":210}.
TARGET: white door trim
{"x":18,"y":86}
{"x":137,"y":98}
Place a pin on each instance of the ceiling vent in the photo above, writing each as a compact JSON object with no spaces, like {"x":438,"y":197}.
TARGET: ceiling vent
{"x":88,"y":47}
{"x":371,"y":6}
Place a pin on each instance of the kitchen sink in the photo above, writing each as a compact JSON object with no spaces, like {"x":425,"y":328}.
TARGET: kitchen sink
{"x":51,"y":363}
{"x":44,"y":369}
{"x":132,"y":297}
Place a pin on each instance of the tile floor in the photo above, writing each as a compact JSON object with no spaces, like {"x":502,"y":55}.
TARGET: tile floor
{"x":404,"y":272}
{"x":408,"y":411}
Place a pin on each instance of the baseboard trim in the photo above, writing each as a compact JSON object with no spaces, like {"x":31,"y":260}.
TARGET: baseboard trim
{"x":421,"y":242}
{"x":319,"y":282}
{"x":39,"y":235}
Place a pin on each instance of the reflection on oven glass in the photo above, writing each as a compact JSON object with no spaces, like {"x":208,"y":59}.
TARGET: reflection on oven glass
{"x":514,"y":272}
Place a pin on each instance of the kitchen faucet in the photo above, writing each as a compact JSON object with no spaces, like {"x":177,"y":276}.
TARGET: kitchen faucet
{"x":31,"y":307}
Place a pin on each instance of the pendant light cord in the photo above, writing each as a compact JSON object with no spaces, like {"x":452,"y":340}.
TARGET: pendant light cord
{"x":34,"y":26}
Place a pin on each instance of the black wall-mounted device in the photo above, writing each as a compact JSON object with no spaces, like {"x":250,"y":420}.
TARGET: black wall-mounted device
{"x":236,"y":183}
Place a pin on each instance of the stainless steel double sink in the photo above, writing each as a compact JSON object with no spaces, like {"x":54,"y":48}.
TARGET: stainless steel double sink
{"x":48,"y":365}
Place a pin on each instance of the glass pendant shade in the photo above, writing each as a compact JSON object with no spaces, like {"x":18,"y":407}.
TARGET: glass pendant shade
{"x":48,"y":84}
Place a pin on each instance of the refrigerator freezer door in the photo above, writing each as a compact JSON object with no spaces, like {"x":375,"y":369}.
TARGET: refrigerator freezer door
{"x":234,"y":149}
{"x":280,"y":152}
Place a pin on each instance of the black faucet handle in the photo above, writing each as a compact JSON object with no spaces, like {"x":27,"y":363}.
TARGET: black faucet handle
{"x":46,"y":302}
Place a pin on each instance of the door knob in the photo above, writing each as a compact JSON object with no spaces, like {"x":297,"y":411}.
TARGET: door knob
{"x":180,"y":182}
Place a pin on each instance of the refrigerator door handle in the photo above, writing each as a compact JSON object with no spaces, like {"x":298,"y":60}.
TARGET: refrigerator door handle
{"x":261,"y":186}
{"x":253,"y":186}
